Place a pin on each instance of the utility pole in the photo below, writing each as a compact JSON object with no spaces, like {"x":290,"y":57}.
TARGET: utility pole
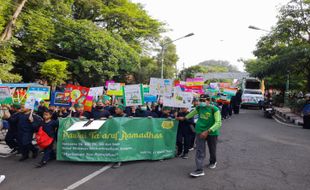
{"x":8,"y":31}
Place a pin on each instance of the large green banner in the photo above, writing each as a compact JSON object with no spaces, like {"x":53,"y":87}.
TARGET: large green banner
{"x":119,"y":139}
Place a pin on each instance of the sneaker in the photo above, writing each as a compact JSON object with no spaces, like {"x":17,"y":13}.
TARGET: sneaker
{"x":184,"y":156}
{"x":41,"y":164}
{"x":191,"y":149}
{"x":2,"y":177}
{"x":14,"y":151}
{"x":197,"y":173}
{"x":212,"y":166}
{"x":179,"y":155}
{"x":117,"y":165}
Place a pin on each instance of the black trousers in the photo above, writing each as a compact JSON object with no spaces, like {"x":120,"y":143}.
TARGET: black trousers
{"x":306,"y":122}
{"x":212,"y":142}
{"x":183,"y":140}
{"x":236,"y":109}
{"x":11,"y":139}
{"x":26,"y":148}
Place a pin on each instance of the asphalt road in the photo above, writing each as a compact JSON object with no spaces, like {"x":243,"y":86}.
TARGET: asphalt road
{"x":253,"y":153}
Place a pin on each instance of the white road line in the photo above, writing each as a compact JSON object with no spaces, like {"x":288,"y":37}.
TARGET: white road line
{"x":280,"y":122}
{"x":89,"y":177}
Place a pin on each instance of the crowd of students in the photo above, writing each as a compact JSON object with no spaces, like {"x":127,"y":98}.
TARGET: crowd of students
{"x":23,"y":123}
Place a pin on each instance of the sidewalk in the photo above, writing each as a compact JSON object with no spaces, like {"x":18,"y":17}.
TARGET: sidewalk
{"x":287,"y":114}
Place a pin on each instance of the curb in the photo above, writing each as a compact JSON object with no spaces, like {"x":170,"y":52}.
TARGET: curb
{"x":295,"y":119}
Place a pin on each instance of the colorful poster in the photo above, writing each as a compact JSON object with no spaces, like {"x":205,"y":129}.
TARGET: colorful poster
{"x":179,"y":100}
{"x":39,"y":92}
{"x":76,"y":94}
{"x":108,"y":82}
{"x":59,"y":99}
{"x":30,"y":102}
{"x":119,"y":139}
{"x":162,"y":87}
{"x":115,"y":89}
{"x":194,"y":82}
{"x":95,"y":91}
{"x":5,"y":95}
{"x":133,"y":95}
{"x":88,"y":106}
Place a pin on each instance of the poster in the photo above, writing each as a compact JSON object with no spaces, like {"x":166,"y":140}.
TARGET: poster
{"x":88,"y":106}
{"x":39,"y":92}
{"x":194,"y":82}
{"x":30,"y":102}
{"x":115,"y":89}
{"x":179,"y":100}
{"x":59,"y":99}
{"x":76,"y":94}
{"x":96,"y":91}
{"x":162,"y":87}
{"x":5,"y":95}
{"x":133,"y":95}
{"x":119,"y":139}
{"x":148,"y":97}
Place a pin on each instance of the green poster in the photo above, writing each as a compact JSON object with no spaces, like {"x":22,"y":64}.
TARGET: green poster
{"x":119,"y":139}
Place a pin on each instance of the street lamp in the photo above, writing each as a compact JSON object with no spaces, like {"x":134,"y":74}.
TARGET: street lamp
{"x":163,"y":51}
{"x":256,"y":28}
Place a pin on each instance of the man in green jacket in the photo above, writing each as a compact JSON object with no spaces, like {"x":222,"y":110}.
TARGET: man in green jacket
{"x":207,"y":129}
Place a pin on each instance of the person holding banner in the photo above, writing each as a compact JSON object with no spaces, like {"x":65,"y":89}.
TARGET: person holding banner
{"x":80,"y":113}
{"x":99,"y":111}
{"x":183,"y":133}
{"x":207,"y":129}
{"x":120,"y":111}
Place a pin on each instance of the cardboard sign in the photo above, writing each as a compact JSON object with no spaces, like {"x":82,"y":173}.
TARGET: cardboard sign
{"x":179,"y":100}
{"x":162,"y":87}
{"x":87,"y":125}
{"x":133,"y":95}
{"x":59,"y":99}
{"x":115,"y":89}
{"x":76,"y":94}
{"x":39,"y":92}
{"x":30,"y":102}
{"x":5,"y":96}
{"x":95,"y":92}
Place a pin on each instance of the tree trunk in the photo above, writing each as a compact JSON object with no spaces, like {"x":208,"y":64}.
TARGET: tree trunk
{"x":8,"y":32}
{"x":308,"y":80}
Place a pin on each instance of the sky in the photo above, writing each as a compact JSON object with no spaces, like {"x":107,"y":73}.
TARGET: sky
{"x":220,"y":27}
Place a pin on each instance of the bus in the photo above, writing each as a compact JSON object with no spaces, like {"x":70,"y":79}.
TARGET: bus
{"x":252,"y":94}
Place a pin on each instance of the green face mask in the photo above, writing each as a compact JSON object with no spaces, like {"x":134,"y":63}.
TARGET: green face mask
{"x":203,"y":104}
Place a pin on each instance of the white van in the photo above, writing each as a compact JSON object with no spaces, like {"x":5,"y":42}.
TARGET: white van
{"x":252,"y":94}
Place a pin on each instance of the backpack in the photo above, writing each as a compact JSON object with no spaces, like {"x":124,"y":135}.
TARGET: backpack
{"x":42,"y":138}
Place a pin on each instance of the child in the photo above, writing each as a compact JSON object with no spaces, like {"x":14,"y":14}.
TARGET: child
{"x":50,"y":127}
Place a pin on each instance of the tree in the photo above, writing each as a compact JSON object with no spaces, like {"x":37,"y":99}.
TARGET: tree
{"x":286,"y":49}
{"x":209,"y":66}
{"x":55,"y":71}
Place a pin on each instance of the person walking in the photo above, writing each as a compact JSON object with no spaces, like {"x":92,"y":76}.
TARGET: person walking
{"x":207,"y":129}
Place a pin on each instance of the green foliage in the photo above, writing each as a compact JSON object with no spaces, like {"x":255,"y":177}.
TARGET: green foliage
{"x":55,"y":71}
{"x":286,"y":49}
{"x":209,"y":66}
{"x":100,"y":39}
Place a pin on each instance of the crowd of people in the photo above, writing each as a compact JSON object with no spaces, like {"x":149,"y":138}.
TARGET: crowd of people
{"x":203,"y":119}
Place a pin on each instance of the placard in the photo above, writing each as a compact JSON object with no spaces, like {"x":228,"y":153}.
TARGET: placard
{"x":76,"y":94}
{"x":5,"y":95}
{"x":39,"y":92}
{"x":59,"y":99}
{"x":179,"y":100}
{"x":115,"y":89}
{"x":162,"y":87}
{"x":133,"y":95}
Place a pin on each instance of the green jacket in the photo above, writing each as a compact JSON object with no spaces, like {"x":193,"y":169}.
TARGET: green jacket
{"x":209,"y":119}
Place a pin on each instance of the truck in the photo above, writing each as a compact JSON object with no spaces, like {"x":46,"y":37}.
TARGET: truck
{"x":252,"y":94}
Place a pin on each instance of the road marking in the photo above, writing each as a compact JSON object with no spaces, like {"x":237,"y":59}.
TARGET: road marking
{"x":89,"y":177}
{"x":280,"y":122}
